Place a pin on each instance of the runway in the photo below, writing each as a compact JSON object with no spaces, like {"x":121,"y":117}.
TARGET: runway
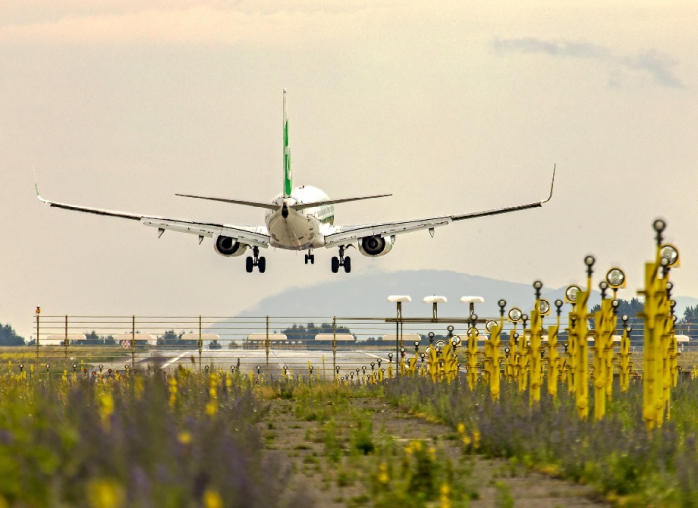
{"x":296,"y":361}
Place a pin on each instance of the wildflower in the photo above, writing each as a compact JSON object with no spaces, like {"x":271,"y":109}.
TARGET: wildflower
{"x":105,"y":494}
{"x":476,"y":439}
{"x":106,"y":407}
{"x":173,"y":391}
{"x":466,"y":440}
{"x":184,"y":437}
{"x":383,"y":475}
{"x":461,"y":428}
{"x":445,"y":492}
{"x":212,"y":499}
{"x":432,"y":453}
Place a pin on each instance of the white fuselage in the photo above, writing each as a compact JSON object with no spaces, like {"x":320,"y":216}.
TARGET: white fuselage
{"x":301,"y":229}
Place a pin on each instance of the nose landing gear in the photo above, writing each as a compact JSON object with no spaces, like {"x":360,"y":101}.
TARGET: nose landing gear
{"x":310,"y":257}
{"x":341,"y":261}
{"x":255,"y":260}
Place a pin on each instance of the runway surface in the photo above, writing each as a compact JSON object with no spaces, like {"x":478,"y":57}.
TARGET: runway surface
{"x":255,"y":360}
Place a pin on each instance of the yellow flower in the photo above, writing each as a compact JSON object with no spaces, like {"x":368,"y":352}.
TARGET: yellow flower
{"x":383,"y":475}
{"x":211,"y":408}
{"x":445,"y":491}
{"x":106,"y":407}
{"x":184,"y":437}
{"x":466,"y":440}
{"x":173,"y":392}
{"x":212,"y":499}
{"x":461,"y":428}
{"x":105,"y":494}
{"x":432,"y":453}
{"x":476,"y":439}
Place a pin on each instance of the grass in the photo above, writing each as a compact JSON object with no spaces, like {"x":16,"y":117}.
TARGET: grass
{"x":191,"y":439}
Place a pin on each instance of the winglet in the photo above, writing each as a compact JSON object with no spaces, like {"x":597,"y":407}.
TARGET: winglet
{"x":36,"y":188}
{"x":552,"y":184}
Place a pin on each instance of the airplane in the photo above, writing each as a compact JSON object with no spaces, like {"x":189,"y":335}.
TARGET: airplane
{"x":300,"y":218}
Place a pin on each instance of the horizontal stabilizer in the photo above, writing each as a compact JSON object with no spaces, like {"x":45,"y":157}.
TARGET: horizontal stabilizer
{"x":301,"y":206}
{"x":256,"y":204}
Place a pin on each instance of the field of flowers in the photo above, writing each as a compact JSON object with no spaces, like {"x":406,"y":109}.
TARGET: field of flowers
{"x":186,"y":438}
{"x":617,"y":455}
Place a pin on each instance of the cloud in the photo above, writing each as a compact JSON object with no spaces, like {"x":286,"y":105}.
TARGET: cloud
{"x":657,"y":65}
{"x":203,"y":21}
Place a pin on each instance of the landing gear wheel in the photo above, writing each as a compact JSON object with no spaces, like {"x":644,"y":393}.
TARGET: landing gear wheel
{"x":310,"y":258}
{"x":262,"y":265}
{"x":347,"y":264}
{"x":249,"y":265}
{"x":335,"y":264}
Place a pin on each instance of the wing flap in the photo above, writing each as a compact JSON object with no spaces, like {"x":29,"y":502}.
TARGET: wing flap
{"x":353,"y":233}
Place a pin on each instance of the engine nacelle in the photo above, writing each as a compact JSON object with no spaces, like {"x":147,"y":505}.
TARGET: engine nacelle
{"x":374,"y":246}
{"x":229,"y":247}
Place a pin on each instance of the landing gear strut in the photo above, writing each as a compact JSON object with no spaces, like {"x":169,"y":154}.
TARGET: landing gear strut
{"x":341,"y":261}
{"x":310,"y":257}
{"x":255,"y":260}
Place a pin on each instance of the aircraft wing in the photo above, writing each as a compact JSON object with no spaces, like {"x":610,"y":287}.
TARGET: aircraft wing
{"x":254,"y":236}
{"x":348,"y":234}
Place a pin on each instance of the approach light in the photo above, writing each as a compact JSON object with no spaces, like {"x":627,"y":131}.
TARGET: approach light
{"x":670,"y":253}
{"x":589,"y":261}
{"x":615,"y":278}
{"x":515,"y":314}
{"x":571,"y":293}
{"x":490,"y":325}
{"x":544,"y":306}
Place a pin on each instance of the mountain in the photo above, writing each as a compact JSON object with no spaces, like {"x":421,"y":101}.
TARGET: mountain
{"x":365,"y":295}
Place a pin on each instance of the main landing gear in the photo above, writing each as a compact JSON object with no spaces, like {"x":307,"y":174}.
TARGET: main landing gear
{"x":255,"y":260}
{"x":341,"y":261}
{"x":310,"y":258}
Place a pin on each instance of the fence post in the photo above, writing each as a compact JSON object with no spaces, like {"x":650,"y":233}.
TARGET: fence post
{"x":38,"y":334}
{"x":201,"y":344}
{"x":133,"y":343}
{"x":66,"y":342}
{"x":334,"y":344}
{"x":266,"y":344}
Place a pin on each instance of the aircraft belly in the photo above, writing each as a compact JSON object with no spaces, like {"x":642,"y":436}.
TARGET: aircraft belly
{"x":296,"y":232}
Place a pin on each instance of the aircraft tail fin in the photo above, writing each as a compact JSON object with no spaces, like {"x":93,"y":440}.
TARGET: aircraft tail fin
{"x":288,"y":175}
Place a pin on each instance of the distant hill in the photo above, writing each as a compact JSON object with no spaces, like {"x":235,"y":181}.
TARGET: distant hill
{"x":365,"y":295}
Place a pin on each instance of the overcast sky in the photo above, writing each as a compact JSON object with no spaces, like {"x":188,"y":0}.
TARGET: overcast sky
{"x":452,"y":108}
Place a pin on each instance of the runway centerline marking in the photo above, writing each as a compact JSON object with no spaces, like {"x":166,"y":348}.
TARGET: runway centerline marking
{"x":176,"y":358}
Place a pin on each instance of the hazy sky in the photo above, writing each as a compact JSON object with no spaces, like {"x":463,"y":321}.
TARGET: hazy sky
{"x":452,"y":108}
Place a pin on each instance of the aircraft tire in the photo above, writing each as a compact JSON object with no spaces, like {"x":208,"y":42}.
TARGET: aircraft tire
{"x":262,"y":265}
{"x":335,"y":264}
{"x":347,"y":264}
{"x":249,"y":264}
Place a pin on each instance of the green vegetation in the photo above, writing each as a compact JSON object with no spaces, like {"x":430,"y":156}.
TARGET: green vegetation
{"x":8,"y":337}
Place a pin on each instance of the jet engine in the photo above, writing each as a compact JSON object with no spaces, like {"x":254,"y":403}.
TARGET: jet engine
{"x":228,"y":247}
{"x":374,"y":246}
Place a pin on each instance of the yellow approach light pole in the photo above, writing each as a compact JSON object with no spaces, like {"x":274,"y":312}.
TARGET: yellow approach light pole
{"x":553,"y":357}
{"x":624,"y":363}
{"x":581,"y":327}
{"x":514,"y":316}
{"x":542,"y":308}
{"x":571,"y":349}
{"x":656,"y":311}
